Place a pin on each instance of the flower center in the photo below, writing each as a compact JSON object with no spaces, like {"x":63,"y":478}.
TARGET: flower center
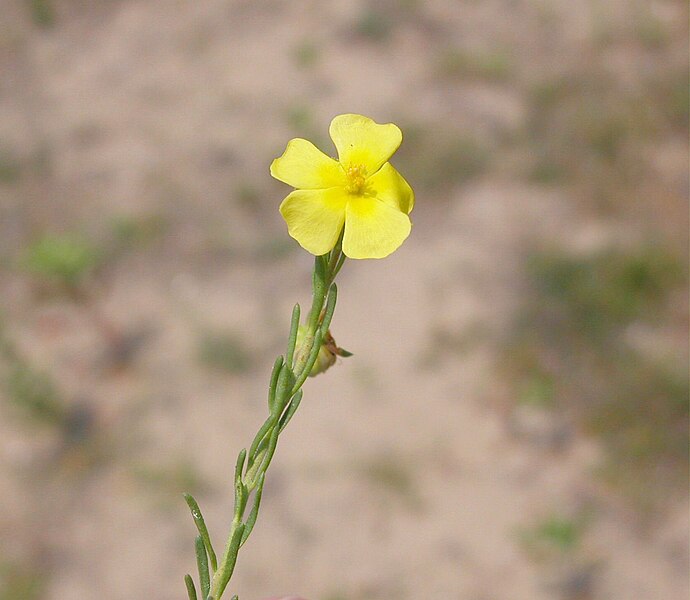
{"x":356,"y":179}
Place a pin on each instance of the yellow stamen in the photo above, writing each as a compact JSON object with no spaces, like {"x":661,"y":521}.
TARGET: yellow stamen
{"x":356,"y":179}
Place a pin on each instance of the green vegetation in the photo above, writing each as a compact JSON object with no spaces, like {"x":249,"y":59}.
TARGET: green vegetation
{"x":306,"y":54}
{"x":300,"y":118}
{"x":650,"y":31}
{"x":10,"y":169}
{"x":248,"y":197}
{"x":42,"y":12}
{"x":34,"y":393}
{"x":552,"y":537}
{"x":465,"y":64}
{"x":446,"y":344}
{"x":434,"y":160}
{"x":393,"y":476}
{"x":172,"y":479}
{"x":571,"y":348}
{"x":138,"y":231}
{"x":374,"y":25}
{"x":64,"y":259}
{"x":224,"y":352}
{"x":30,"y":391}
{"x":21,"y":582}
{"x":595,"y":295}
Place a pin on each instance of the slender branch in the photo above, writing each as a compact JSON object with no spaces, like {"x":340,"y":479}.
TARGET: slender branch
{"x":284,"y":396}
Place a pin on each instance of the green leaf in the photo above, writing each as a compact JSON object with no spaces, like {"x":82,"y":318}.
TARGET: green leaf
{"x":277,"y":365}
{"x":286,"y":379}
{"x":240,"y":464}
{"x":251,"y":519}
{"x":268,"y":456}
{"x":291,"y":410}
{"x":318,"y":338}
{"x":240,"y":497}
{"x":201,"y":528}
{"x":202,"y":565}
{"x":191,"y":590}
{"x":292,"y":339}
{"x":258,"y":438}
{"x":222,"y":576}
{"x":330,"y":309}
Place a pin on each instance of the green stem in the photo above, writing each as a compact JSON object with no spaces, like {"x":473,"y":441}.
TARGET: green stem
{"x":284,"y":396}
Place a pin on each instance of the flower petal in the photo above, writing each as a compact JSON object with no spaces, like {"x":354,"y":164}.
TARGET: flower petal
{"x":390,"y":187}
{"x":361,"y":141}
{"x":373,"y":228}
{"x":315,"y":218}
{"x":304,"y":166}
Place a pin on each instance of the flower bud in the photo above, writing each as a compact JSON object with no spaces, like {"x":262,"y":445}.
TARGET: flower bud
{"x":328,"y":352}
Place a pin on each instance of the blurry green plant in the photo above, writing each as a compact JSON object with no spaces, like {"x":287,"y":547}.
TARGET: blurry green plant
{"x":34,"y":393}
{"x":671,"y":94}
{"x":225,"y":352}
{"x":445,"y":343}
{"x":170,"y":478}
{"x":10,"y":169}
{"x":42,"y":12}
{"x":439,"y":159}
{"x":373,"y":24}
{"x":138,"y":231}
{"x":651,"y":32}
{"x":599,"y":293}
{"x":299,"y":117}
{"x":555,"y":535}
{"x":21,"y":582}
{"x":306,"y":53}
{"x":570,"y":349}
{"x":584,"y":130}
{"x":492,"y":66}
{"x":537,"y":389}
{"x":64,"y":259}
{"x":248,"y":197}
{"x":391,"y":475}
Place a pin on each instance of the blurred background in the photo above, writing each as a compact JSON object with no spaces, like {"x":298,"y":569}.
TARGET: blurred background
{"x":514,"y":422}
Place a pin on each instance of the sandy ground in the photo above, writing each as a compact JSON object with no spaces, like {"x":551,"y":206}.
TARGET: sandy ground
{"x":395,"y":480}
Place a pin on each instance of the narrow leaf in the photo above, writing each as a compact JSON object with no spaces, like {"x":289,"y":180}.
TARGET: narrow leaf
{"x":258,"y":438}
{"x":285,"y":381}
{"x":240,"y":464}
{"x":251,"y":519}
{"x":272,"y":443}
{"x":201,"y":528}
{"x":191,"y":590}
{"x":291,"y":410}
{"x":221,"y":578}
{"x":318,"y":337}
{"x":274,"y":380}
{"x":240,"y":497}
{"x":292,"y":339}
{"x":330,"y":308}
{"x":202,"y":565}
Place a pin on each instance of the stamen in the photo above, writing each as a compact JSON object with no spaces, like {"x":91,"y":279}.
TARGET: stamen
{"x":356,"y":179}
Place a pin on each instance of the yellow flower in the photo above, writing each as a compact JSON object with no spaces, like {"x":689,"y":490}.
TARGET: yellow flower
{"x":361,"y":191}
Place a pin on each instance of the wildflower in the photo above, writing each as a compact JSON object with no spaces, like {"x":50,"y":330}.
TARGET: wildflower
{"x":360,"y":192}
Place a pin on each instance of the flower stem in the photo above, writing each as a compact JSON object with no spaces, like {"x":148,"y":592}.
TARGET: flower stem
{"x":284,"y":396}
